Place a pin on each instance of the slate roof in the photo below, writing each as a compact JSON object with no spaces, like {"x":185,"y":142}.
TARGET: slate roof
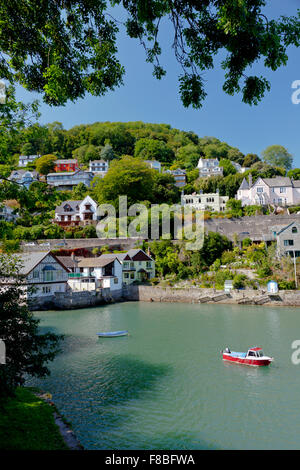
{"x":30,"y":260}
{"x":138,"y":255}
{"x":99,"y":262}
{"x":278,"y":181}
{"x":244,"y":184}
{"x":288,"y":226}
{"x":73,"y":204}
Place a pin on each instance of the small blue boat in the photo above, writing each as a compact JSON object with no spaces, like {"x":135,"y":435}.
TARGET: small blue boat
{"x":112,"y":334}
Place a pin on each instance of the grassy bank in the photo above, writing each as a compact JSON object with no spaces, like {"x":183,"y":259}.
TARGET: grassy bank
{"x":27,"y":423}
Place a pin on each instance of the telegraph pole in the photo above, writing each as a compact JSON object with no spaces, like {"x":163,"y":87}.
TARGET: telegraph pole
{"x":295,"y":268}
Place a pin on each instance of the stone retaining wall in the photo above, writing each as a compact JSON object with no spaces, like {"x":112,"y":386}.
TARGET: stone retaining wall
{"x":197,"y":295}
{"x":73,"y":300}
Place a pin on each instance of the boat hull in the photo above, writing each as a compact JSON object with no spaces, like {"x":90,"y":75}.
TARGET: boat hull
{"x":246,"y":361}
{"x":112,"y":334}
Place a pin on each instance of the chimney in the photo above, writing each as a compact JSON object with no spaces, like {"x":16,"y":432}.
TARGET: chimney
{"x":250,"y":180}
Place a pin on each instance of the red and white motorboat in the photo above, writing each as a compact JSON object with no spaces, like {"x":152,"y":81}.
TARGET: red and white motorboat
{"x":253,"y":357}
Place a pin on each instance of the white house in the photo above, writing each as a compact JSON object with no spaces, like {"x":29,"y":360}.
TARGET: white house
{"x":278,"y":191}
{"x":43,"y":272}
{"x":106,"y":270}
{"x":74,"y":212}
{"x":25,"y":159}
{"x":98,"y":167}
{"x":67,"y":181}
{"x":209,"y":167}
{"x":211,"y":201}
{"x":154,"y":164}
{"x":239,"y":168}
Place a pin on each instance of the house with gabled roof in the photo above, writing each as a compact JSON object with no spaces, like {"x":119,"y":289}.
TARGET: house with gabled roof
{"x":79,"y":212}
{"x":136,"y":265}
{"x":43,"y":273}
{"x":288,"y":240}
{"x":278,"y":191}
{"x":209,"y":167}
{"x":24,"y":177}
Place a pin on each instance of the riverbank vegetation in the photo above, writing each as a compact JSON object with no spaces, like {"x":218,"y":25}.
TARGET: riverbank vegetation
{"x":27,"y":423}
{"x":249,"y":266}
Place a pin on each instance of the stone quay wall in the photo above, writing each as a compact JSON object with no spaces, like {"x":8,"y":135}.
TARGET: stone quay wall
{"x":198,"y":295}
{"x":73,"y":300}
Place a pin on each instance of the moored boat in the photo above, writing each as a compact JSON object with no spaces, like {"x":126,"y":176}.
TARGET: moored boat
{"x":253,"y":357}
{"x":112,"y":334}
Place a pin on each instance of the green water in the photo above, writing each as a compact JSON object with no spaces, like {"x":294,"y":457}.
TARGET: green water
{"x":166,"y":387}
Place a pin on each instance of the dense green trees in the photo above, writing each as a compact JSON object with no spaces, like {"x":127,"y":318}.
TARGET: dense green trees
{"x":45,"y":164}
{"x":129,"y":177}
{"x":277,"y":155}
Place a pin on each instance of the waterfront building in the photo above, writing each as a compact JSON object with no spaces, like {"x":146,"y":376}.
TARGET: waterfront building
{"x":24,"y":177}
{"x":25,"y":159}
{"x":278,"y":191}
{"x":68,"y":181}
{"x":44,"y":273}
{"x":209,"y":167}
{"x":98,"y":167}
{"x":66,"y":165}
{"x":136,"y":265}
{"x":81,"y":212}
{"x":210,"y":202}
{"x":106,"y":270}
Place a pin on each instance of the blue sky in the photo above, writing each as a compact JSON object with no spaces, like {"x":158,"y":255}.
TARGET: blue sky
{"x":276,"y":120}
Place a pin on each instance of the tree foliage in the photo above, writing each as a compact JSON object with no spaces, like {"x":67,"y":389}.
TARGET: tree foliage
{"x":277,"y":155}
{"x":27,"y":349}
{"x":66,"y":48}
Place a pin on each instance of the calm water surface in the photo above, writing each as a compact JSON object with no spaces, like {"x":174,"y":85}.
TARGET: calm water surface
{"x":166,"y":387}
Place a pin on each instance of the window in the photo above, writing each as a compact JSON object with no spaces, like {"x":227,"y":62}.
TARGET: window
{"x":36,"y":274}
{"x":294,"y":230}
{"x":46,"y":290}
{"x":282,"y":189}
{"x":288,"y":242}
{"x":48,"y":276}
{"x":251,"y":353}
{"x":148,"y":264}
{"x":259,"y":190}
{"x":116,"y":280}
{"x":126,"y":275}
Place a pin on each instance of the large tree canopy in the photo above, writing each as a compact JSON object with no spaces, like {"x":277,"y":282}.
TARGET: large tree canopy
{"x":65,"y":48}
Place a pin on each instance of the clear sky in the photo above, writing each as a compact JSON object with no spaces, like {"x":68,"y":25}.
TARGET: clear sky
{"x":276,"y":120}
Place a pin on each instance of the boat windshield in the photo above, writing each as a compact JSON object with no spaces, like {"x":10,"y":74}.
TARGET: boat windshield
{"x":260,"y":353}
